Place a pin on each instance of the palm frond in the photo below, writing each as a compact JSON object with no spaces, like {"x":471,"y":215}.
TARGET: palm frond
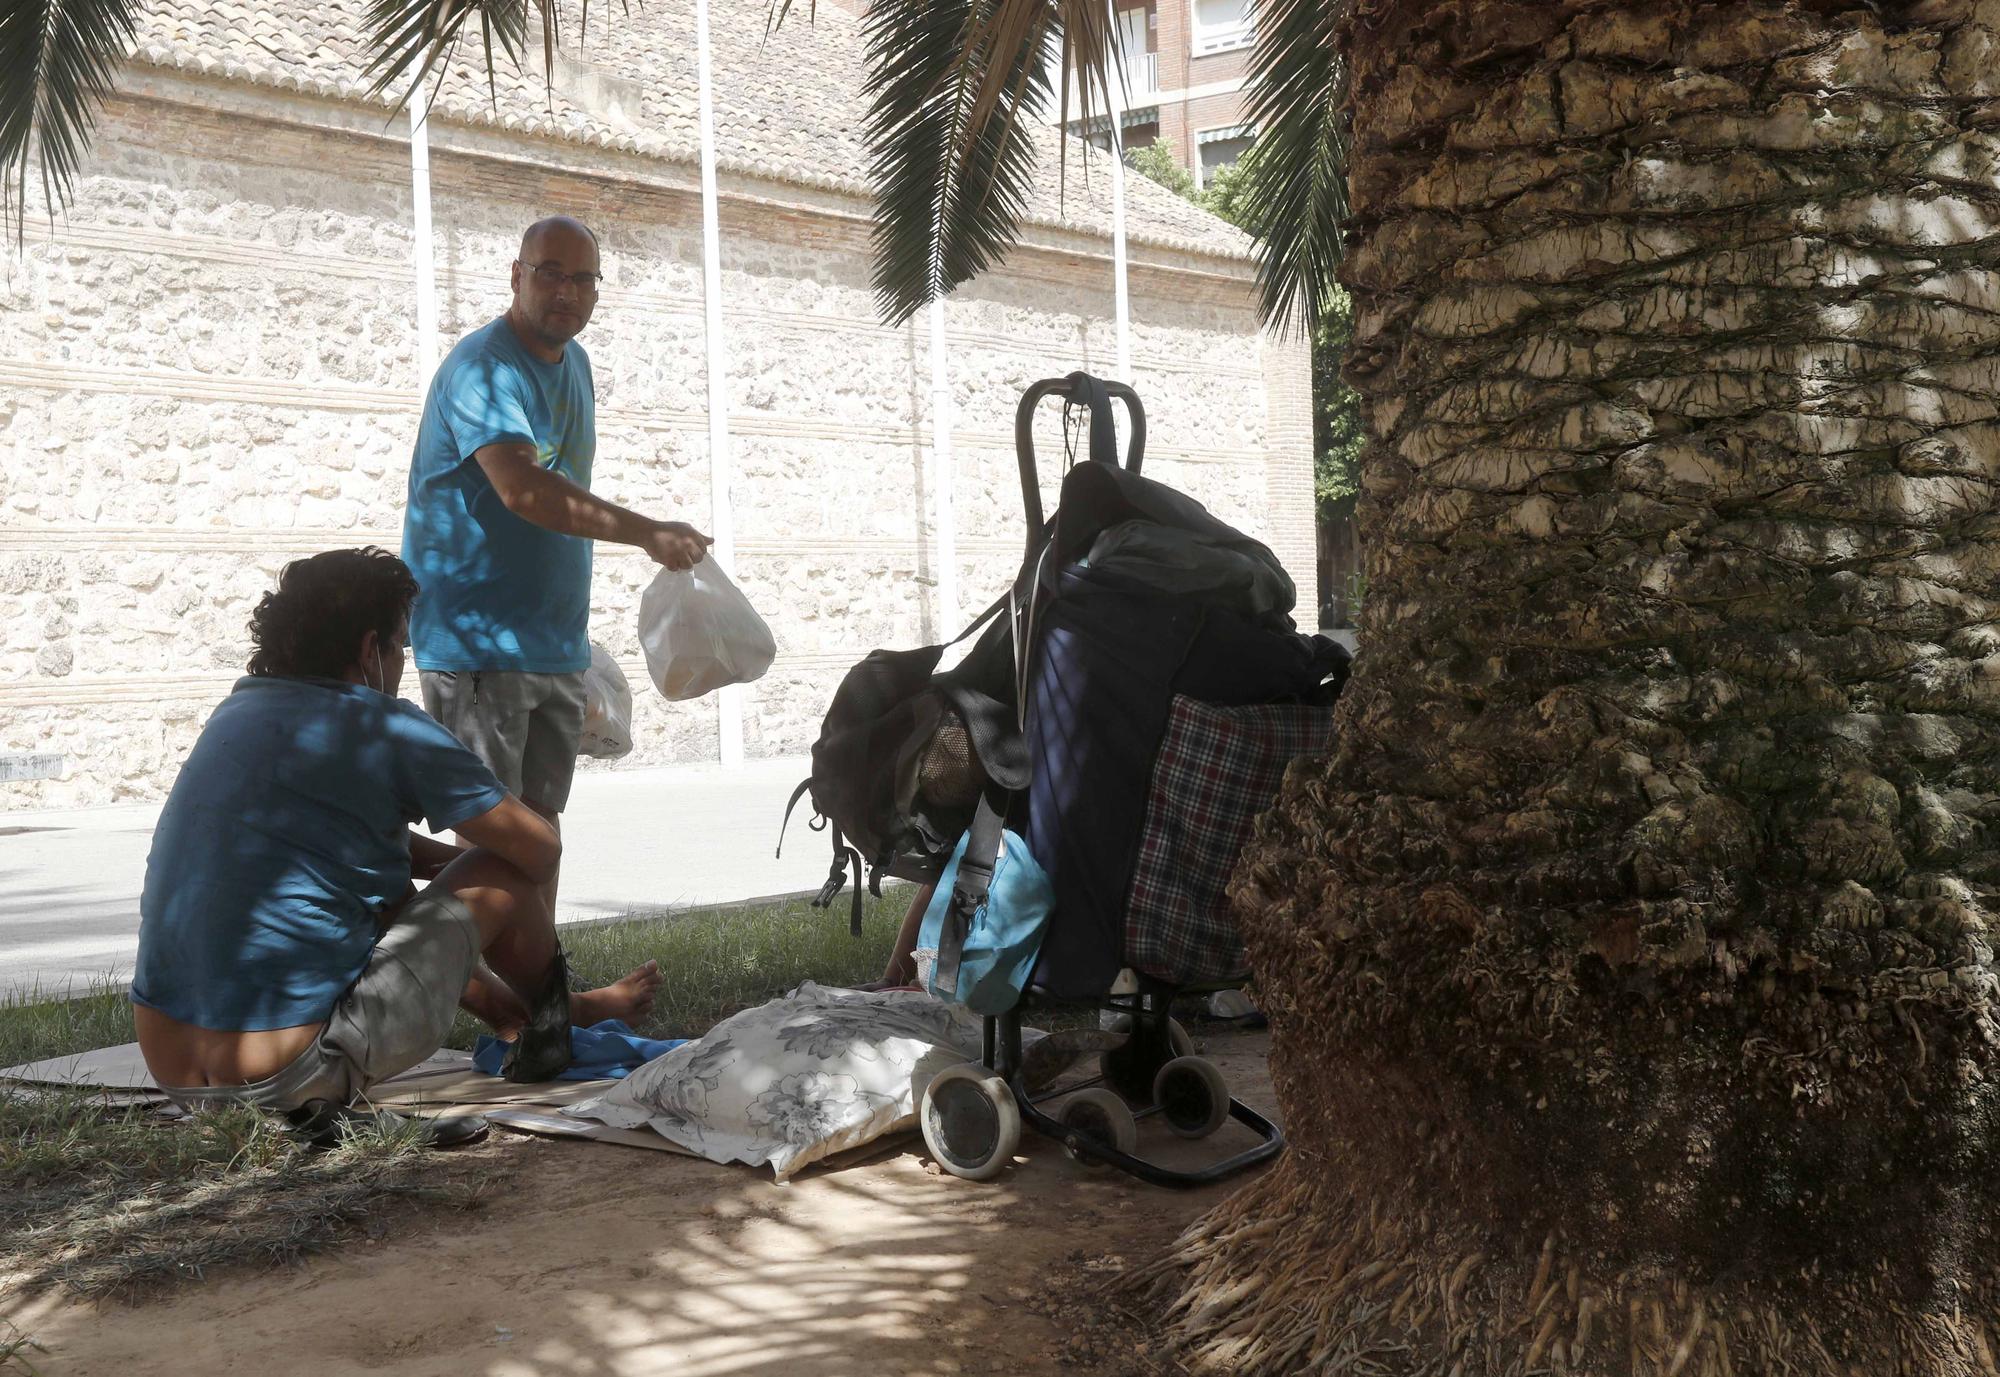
{"x":413,"y":38}
{"x":950,"y":83}
{"x":56,"y":62}
{"x":775,"y":19}
{"x":1295,"y":183}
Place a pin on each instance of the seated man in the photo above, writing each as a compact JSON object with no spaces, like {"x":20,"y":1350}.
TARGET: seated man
{"x":286,"y":958}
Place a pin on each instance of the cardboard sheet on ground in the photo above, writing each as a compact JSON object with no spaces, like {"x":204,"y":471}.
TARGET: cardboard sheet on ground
{"x":447,"y":1081}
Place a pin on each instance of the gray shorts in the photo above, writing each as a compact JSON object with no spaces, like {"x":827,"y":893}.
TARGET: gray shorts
{"x":398,"y":1013}
{"x":526,"y":727}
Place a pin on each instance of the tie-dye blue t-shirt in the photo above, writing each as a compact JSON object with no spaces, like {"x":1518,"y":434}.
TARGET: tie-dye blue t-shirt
{"x":499,"y":592}
{"x":283,"y":843}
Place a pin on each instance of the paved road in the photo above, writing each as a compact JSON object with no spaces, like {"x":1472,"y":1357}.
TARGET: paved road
{"x":634,"y":839}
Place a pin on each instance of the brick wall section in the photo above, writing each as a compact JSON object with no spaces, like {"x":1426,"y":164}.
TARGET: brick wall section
{"x":1229,"y":66}
{"x":1170,"y":41}
{"x":1289,"y":462}
{"x":1173,"y":129}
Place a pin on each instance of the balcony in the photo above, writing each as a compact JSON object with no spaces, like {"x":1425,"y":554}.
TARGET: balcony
{"x":1142,"y":78}
{"x":1142,"y":81}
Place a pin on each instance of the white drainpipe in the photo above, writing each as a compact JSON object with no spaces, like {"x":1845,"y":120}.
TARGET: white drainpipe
{"x":941,"y":476}
{"x":421,"y":249}
{"x":1115,"y":94}
{"x":730,"y":707}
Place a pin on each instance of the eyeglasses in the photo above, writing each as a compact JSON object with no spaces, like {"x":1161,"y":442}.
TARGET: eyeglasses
{"x":551,"y":276}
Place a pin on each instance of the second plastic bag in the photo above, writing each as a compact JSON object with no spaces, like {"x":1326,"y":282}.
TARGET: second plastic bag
{"x":700,"y":632}
{"x":607,"y":708}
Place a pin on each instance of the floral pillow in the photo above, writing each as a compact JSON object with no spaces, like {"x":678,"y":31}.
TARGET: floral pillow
{"x":814,"y":1073}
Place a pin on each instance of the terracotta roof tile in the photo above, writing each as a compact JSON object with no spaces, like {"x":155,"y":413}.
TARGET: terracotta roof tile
{"x":789,"y":105}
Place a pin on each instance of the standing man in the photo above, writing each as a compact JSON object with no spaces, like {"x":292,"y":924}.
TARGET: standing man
{"x":501,"y":519}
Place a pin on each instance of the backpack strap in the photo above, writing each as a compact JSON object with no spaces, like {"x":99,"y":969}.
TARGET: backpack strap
{"x":975,"y":875}
{"x":790,"y":804}
{"x":844,"y":857}
{"x":854,"y":913}
{"x":992,"y":608}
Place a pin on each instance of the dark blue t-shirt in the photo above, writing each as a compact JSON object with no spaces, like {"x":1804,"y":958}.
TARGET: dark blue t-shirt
{"x":499,"y":592}
{"x":285,"y":837}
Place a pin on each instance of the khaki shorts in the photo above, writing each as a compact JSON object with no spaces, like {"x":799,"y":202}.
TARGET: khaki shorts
{"x":526,"y":727}
{"x":396,"y":1014}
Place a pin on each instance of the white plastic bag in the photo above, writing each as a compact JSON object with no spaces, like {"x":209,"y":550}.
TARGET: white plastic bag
{"x":700,"y":632}
{"x":607,"y":708}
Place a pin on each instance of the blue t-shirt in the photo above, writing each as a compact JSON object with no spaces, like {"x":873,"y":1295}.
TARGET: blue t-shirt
{"x":499,"y":592}
{"x":284,"y":838}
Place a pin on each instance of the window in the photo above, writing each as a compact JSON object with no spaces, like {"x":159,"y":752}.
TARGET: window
{"x":1218,"y":148}
{"x":1220,"y":25}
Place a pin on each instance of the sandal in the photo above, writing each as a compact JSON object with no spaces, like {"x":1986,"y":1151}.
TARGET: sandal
{"x":322,"y":1124}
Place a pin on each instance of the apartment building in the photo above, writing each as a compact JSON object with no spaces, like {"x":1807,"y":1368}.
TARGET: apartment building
{"x":1185,"y":62}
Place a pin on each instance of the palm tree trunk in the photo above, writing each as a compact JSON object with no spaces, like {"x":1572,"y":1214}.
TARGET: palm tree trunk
{"x":1629,"y":965}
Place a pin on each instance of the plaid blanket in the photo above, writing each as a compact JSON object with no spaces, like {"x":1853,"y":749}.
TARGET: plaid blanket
{"x":1217,"y":769}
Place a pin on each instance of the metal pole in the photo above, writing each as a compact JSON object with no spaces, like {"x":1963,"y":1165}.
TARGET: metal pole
{"x":947,"y":526}
{"x":1116,"y":99}
{"x":729,"y":722}
{"x":421,"y":251}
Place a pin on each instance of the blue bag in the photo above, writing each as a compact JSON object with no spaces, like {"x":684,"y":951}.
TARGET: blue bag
{"x":1003,"y":934}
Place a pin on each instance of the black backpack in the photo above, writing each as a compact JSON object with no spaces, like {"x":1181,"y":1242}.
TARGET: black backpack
{"x":905,"y":756}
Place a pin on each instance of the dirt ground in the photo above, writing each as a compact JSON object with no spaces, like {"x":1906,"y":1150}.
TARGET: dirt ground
{"x":594,"y":1260}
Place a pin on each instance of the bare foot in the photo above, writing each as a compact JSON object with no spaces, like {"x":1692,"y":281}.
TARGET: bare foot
{"x":629,"y":999}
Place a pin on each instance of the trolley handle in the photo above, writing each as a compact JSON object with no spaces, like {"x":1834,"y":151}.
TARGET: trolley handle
{"x":1075,"y":387}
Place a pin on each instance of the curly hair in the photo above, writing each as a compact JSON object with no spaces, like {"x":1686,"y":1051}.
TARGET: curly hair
{"x":311,"y":624}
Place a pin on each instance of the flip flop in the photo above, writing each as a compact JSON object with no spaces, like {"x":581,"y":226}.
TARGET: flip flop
{"x":322,"y":1124}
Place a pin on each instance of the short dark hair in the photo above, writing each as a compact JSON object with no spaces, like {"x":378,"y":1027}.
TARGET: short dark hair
{"x":311,"y":624}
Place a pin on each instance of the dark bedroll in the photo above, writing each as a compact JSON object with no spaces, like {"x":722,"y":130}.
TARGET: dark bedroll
{"x":1129,"y":706}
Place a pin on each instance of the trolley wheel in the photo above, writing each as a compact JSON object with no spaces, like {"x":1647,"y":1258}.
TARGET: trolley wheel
{"x":1178,"y":1042}
{"x":970,"y":1121}
{"x":1192,"y":1096}
{"x":1098,"y":1114}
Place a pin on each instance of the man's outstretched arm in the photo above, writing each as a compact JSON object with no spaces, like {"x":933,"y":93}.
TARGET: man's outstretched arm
{"x":550,"y":500}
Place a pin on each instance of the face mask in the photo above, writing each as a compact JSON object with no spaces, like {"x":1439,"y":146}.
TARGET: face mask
{"x":381,"y":684}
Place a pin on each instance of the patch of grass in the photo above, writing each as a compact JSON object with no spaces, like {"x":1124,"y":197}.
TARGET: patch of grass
{"x":37,"y":1025}
{"x":15,"y":1346}
{"x":715,"y":962}
{"x":111,"y":1200}
{"x":118,"y":1202}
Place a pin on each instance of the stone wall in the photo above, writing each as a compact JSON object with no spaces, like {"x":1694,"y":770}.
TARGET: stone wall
{"x":208,"y":368}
